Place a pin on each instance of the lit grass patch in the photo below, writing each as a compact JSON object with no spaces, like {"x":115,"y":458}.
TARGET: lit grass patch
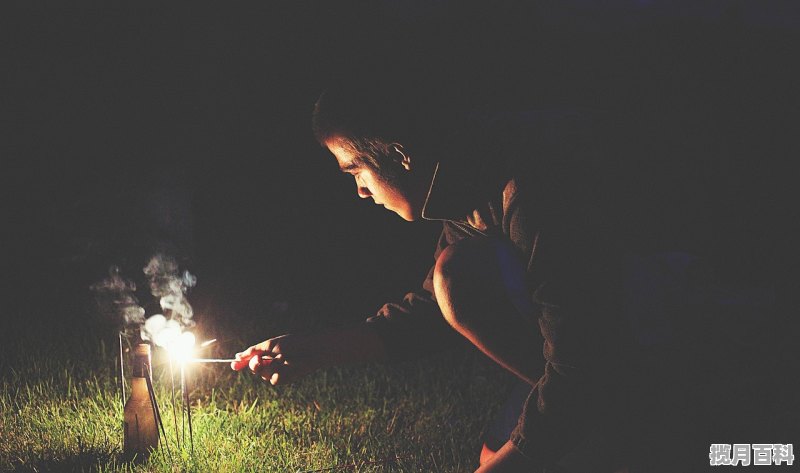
{"x":59,"y":414}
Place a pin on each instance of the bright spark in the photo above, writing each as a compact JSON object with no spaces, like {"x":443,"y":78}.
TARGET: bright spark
{"x":180,"y":348}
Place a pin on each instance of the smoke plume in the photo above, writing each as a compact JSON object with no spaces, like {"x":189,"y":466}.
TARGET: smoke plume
{"x":115,"y":297}
{"x":169,"y":285}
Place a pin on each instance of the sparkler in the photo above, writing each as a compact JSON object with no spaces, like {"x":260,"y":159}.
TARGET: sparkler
{"x":231,"y":360}
{"x":188,"y":406}
{"x":174,"y":412}
{"x":170,"y":287}
{"x":180,"y":349}
{"x":152,"y":392}
{"x":168,"y":334}
{"x":122,"y":371}
{"x":180,"y":346}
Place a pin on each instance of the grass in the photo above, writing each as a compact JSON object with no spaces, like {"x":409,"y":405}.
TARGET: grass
{"x":61,"y":411}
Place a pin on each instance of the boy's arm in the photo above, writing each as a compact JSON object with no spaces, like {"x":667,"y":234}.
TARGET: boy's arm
{"x":411,"y":327}
{"x":415,"y":326}
{"x":288,"y":357}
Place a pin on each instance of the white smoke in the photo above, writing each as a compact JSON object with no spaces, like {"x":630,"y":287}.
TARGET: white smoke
{"x":115,"y":297}
{"x":170,"y":286}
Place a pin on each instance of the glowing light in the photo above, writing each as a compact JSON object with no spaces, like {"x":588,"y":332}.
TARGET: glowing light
{"x":167,"y":333}
{"x":181,"y":347}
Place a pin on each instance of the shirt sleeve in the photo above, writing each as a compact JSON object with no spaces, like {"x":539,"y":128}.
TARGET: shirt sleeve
{"x":415,"y":326}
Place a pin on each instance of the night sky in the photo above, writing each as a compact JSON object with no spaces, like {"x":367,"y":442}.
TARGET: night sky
{"x":187,"y":128}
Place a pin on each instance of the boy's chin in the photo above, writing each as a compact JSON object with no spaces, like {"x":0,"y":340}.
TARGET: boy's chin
{"x":406,"y":215}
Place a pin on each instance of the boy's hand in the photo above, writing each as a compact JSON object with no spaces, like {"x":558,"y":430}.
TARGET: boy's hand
{"x":285,"y":359}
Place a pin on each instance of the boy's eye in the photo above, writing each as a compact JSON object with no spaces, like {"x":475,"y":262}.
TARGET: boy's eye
{"x":350,"y":169}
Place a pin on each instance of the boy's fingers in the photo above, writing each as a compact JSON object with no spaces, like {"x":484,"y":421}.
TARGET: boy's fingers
{"x":239,"y":363}
{"x":257,"y":363}
{"x":265,"y":368}
{"x":268,"y":369}
{"x":242,"y":358}
{"x":253,"y":363}
{"x":248,"y":353}
{"x":271,"y":371}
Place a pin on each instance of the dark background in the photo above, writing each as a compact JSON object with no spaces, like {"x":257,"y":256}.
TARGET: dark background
{"x":187,"y":129}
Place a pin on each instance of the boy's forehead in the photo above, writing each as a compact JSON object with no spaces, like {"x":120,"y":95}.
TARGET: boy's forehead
{"x":345,"y":156}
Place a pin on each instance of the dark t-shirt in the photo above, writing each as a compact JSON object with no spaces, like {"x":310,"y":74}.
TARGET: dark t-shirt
{"x":531,"y":180}
{"x":588,"y":200}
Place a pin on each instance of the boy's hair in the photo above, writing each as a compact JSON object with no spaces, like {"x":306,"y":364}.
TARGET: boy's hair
{"x":371,"y":115}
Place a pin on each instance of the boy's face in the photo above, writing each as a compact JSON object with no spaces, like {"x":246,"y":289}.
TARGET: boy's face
{"x":394,"y":195}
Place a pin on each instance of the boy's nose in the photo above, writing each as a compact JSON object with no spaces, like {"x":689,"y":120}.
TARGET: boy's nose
{"x":363,"y":192}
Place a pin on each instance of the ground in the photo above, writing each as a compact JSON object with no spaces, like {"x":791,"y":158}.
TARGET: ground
{"x":60,"y":410}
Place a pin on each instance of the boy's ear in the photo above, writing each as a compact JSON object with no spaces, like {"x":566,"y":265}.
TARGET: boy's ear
{"x":401,"y":156}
